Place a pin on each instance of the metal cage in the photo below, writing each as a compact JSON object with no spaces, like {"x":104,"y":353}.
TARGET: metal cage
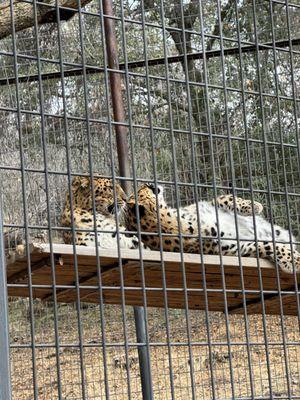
{"x":201,"y":97}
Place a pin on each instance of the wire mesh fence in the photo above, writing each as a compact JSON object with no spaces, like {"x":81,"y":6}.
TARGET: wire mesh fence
{"x":200,"y":98}
{"x":71,"y":380}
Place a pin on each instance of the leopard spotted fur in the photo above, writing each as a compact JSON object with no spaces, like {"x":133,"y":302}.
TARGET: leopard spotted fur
{"x":213,"y":240}
{"x":83,"y":218}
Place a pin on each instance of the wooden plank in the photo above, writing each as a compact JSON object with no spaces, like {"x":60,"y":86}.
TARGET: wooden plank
{"x":153,"y":271}
{"x":148,"y":255}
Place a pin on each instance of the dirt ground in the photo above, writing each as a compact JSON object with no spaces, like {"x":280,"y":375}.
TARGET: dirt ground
{"x":245,"y":368}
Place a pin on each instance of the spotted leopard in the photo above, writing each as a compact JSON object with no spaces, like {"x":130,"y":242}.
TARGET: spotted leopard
{"x":253,"y":240}
{"x":83,"y":217}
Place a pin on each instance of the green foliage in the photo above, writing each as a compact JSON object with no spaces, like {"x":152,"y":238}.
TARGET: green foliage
{"x":233,"y":114}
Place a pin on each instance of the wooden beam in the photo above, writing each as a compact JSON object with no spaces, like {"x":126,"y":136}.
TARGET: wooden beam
{"x":113,"y":288}
{"x":23,"y":273}
{"x":269,"y":301}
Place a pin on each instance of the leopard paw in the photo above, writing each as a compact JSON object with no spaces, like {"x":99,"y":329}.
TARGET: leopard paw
{"x":286,"y":262}
{"x":247,"y":209}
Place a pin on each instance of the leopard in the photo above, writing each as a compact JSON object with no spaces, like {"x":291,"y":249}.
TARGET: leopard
{"x":82,"y":218}
{"x":210,"y":227}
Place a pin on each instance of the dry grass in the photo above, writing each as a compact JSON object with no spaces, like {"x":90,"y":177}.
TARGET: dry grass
{"x":123,"y":381}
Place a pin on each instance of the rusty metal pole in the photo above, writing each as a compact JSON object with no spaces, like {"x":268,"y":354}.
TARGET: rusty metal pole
{"x":124,"y":167}
{"x":116,"y":94}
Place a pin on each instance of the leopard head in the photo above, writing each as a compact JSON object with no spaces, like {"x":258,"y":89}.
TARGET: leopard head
{"x":144,"y":207}
{"x":103,"y":193}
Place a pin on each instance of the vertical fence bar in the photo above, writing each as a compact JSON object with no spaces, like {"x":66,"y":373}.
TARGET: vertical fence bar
{"x":123,"y":152}
{"x":5,"y":388}
{"x":25,"y":224}
{"x":47,"y":187}
{"x":113,"y":175}
{"x":295,"y":112}
{"x":155,"y":177}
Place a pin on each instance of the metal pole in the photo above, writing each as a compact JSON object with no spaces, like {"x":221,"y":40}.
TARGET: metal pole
{"x":123,"y":159}
{"x":116,"y":94}
{"x":140,"y":328}
{"x":5,"y":387}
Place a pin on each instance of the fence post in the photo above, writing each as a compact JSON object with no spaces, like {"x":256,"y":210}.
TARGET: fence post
{"x":5,"y":387}
{"x":123,"y":152}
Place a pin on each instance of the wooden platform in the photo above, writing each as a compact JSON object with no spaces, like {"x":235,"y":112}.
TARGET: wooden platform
{"x":176,"y":280}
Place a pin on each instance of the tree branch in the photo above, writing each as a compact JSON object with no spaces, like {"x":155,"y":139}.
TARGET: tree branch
{"x":24,"y":14}
{"x":226,"y":13}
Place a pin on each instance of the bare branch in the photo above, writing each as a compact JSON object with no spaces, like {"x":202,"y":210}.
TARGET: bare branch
{"x":24,"y":14}
{"x":226,"y":14}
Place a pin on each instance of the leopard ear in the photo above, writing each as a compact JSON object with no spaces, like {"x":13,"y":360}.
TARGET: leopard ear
{"x":85,"y":182}
{"x":160,"y":190}
{"x":80,"y":181}
{"x":155,"y":189}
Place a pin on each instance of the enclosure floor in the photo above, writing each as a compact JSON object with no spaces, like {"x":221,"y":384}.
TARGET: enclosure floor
{"x":169,"y":279}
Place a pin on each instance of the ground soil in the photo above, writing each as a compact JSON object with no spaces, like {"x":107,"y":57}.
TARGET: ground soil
{"x":223,"y":361}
